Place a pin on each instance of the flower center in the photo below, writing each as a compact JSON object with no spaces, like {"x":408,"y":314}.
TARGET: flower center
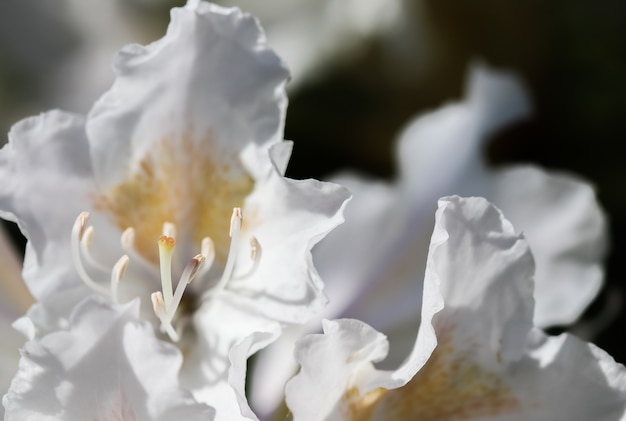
{"x":167,"y":301}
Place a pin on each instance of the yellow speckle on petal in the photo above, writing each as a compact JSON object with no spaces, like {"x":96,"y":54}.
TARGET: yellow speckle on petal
{"x":184,"y":180}
{"x":448,"y":388}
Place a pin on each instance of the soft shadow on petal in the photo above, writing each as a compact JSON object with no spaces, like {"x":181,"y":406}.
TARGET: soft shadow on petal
{"x":567,"y":232}
{"x":46,"y":175}
{"x":106,"y":365}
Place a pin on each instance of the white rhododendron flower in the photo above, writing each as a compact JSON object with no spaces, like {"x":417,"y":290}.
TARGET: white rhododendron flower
{"x":384,"y":242}
{"x":489,"y":362}
{"x":172,"y":190}
{"x":313,"y":35}
{"x":107,"y":365}
{"x":439,"y":154}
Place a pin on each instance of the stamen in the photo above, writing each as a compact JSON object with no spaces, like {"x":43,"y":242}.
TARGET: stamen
{"x":207,"y":249}
{"x":255,"y":254}
{"x":116,"y":276}
{"x":235,"y":229}
{"x":157,"y":304}
{"x":127,"y":240}
{"x":166,"y":249}
{"x":85,"y":246}
{"x":159,"y":309}
{"x":78,"y":231}
{"x":185,"y":279}
{"x":87,"y":239}
{"x":169,"y":230}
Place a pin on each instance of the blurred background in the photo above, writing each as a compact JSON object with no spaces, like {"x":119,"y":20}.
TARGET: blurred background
{"x":362,"y":69}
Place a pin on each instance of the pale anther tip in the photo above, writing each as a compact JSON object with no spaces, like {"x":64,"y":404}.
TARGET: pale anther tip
{"x":120,"y":267}
{"x":167,"y":241}
{"x":235,"y":220}
{"x":169,"y":229}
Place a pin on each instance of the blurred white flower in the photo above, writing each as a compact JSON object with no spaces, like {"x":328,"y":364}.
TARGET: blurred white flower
{"x":383,"y":244}
{"x":180,"y":166}
{"x":476,"y":319}
{"x":314,"y":35}
{"x":107,"y":365}
{"x":441,"y":153}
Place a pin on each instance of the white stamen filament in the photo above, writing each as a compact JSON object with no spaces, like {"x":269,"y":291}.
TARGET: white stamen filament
{"x":116,"y":276}
{"x":127,"y":240}
{"x":78,"y":231}
{"x":235,"y":229}
{"x":165,"y":302}
{"x":207,"y":250}
{"x":166,"y":249}
{"x":185,"y":279}
{"x":255,"y":254}
{"x":159,"y":309}
{"x":85,"y":245}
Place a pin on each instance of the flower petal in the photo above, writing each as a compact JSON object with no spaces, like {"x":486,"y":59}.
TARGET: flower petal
{"x":440,"y":153}
{"x":106,"y":365}
{"x":46,"y":177}
{"x":488,"y":362}
{"x":288,"y":217}
{"x":566,"y":230}
{"x":212,"y":75}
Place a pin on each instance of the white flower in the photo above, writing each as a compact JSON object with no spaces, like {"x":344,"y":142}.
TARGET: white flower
{"x":180,"y":168}
{"x":439,"y":154}
{"x":105,"y":366}
{"x":314,"y":35}
{"x":383,"y":244}
{"x":488,"y":360}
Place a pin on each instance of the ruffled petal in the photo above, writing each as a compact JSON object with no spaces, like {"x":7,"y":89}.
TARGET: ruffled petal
{"x":46,"y":175}
{"x":166,"y":139}
{"x":288,"y":217}
{"x":211,"y":78}
{"x":440,"y":153}
{"x":106,"y":365}
{"x":489,"y":362}
{"x":227,"y":335}
{"x":567,"y":232}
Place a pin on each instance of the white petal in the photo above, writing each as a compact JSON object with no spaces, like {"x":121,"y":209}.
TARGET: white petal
{"x":484,"y":263}
{"x":46,"y":176}
{"x":215,"y":367}
{"x":106,"y":365}
{"x":288,"y":217}
{"x":440,"y":153}
{"x":314,"y":35}
{"x":567,"y":233}
{"x":237,"y":374}
{"x":329,"y":362}
{"x":211,"y":76}
{"x":488,"y":362}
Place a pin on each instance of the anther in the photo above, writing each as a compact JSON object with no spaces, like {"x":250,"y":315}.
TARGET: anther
{"x":166,"y":249}
{"x":159,"y":308}
{"x":78,"y":232}
{"x":87,"y":239}
{"x":235,"y":229}
{"x":235,"y":222}
{"x":255,"y":254}
{"x":185,"y":279}
{"x":85,"y":244}
{"x":116,"y":276}
{"x":128,"y":239}
{"x":169,"y":230}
